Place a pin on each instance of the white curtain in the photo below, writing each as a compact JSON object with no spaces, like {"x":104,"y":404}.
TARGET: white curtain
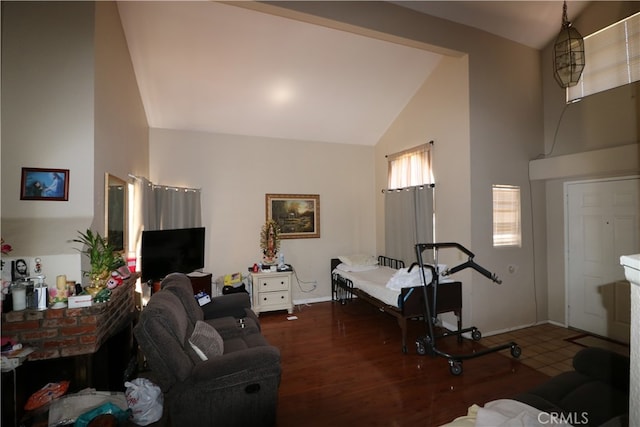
{"x":410,"y":167}
{"x":408,"y":221}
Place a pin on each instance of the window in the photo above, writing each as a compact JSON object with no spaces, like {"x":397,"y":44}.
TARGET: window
{"x":612,"y":58}
{"x":506,"y":216}
{"x":410,"y":167}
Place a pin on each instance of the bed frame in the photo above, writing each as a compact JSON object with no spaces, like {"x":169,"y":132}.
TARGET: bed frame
{"x":413,"y":306}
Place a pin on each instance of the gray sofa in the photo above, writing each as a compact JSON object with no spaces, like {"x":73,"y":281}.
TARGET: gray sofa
{"x":595,"y":393}
{"x":212,"y":362}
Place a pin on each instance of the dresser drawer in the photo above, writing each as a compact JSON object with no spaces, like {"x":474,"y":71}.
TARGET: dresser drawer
{"x":271,"y":292}
{"x":270,"y":284}
{"x":273,"y":298}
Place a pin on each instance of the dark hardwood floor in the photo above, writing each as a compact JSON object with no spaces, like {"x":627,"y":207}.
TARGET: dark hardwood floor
{"x":342,"y":365}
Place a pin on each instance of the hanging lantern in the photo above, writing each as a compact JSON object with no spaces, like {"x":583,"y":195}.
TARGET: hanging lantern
{"x":568,"y":54}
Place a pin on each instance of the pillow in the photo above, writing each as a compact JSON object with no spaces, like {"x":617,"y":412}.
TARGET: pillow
{"x":405,"y":279}
{"x":206,"y":341}
{"x":358,"y":259}
{"x":355,"y":268}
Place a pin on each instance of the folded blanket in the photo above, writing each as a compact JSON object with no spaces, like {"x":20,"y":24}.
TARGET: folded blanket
{"x":403,"y":278}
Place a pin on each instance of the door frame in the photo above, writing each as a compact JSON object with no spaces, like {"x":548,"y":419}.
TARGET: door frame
{"x":566,"y":230}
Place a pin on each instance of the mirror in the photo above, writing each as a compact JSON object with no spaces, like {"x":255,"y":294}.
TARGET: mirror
{"x":115,"y":211}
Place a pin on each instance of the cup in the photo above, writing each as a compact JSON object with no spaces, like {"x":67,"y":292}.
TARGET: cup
{"x":42,"y":296}
{"x":19,"y":296}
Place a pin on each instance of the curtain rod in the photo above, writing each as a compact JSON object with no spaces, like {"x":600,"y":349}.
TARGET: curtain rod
{"x":166,"y":187}
{"x":397,"y":190}
{"x":169,"y":187}
{"x":408,"y":150}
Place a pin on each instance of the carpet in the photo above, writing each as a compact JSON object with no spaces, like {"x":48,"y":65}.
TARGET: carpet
{"x":587,"y":340}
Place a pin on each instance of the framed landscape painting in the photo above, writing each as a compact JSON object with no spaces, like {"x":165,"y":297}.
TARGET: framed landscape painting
{"x":298,"y":215}
{"x":44,"y":184}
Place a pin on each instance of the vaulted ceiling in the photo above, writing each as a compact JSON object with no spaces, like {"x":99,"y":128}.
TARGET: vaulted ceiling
{"x":216,"y":67}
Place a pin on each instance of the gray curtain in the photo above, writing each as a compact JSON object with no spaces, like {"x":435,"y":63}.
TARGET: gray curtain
{"x":158,"y":207}
{"x":177,"y":207}
{"x":408,"y":221}
{"x":145,"y":200}
{"x":143,"y":212}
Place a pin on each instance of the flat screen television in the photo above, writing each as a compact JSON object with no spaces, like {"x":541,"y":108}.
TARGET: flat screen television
{"x":171,"y":251}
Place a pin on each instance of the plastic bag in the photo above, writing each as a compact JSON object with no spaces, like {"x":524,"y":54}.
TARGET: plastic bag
{"x":46,"y":394}
{"x":145,"y":400}
{"x":107,"y":408}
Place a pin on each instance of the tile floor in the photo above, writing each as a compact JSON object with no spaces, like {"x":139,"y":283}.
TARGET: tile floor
{"x":544,"y":347}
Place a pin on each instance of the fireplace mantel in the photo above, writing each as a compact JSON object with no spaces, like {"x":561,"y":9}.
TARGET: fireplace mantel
{"x":71,"y":331}
{"x":631,"y":264}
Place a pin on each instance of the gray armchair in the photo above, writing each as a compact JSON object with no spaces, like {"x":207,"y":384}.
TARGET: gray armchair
{"x":596,"y":392}
{"x":212,"y":363}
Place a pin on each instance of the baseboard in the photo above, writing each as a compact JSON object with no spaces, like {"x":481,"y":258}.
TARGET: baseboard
{"x":311,"y":300}
{"x":515,"y":328}
{"x":554,"y":323}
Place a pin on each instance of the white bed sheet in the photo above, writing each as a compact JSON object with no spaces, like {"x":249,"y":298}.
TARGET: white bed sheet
{"x":374,"y":283}
{"x":506,"y":413}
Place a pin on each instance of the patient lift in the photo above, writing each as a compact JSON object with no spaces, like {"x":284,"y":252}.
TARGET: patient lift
{"x":427,"y":344}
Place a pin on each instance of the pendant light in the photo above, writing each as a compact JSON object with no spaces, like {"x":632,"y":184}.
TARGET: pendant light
{"x":568,"y":54}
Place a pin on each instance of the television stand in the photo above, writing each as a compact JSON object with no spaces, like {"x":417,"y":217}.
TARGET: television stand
{"x":201,"y":282}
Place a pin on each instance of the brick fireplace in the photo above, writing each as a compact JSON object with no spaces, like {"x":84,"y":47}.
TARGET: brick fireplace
{"x":89,"y":346}
{"x":71,"y":331}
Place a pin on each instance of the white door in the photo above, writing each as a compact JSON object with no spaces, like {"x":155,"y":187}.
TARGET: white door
{"x":603,"y":223}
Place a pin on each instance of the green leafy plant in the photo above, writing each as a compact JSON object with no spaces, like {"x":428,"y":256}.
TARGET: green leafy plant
{"x":102,"y":256}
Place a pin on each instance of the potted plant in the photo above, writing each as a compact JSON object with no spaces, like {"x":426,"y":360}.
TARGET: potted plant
{"x":102,"y":258}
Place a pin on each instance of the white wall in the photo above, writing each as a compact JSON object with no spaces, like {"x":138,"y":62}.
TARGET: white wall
{"x":47,"y":108}
{"x":504,"y":132}
{"x":52,"y":97}
{"x":514,"y":107}
{"x":439,"y":112}
{"x":121,"y":132}
{"x":47,"y":121}
{"x":606,"y":121}
{"x":235,"y":172}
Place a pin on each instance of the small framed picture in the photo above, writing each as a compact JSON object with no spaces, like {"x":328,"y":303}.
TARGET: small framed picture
{"x":44,"y":184}
{"x":19,"y":269}
{"x":298,"y":215}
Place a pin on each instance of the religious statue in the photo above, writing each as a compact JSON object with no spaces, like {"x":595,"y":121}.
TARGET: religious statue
{"x":269,"y":242}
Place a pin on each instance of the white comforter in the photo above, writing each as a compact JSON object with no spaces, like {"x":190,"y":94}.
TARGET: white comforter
{"x":403,"y":278}
{"x":507,"y":413}
{"x":385,"y":283}
{"x":374,"y":282}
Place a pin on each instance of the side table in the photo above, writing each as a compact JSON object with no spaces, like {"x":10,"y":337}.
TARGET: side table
{"x":201,"y":282}
{"x":272,"y":291}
